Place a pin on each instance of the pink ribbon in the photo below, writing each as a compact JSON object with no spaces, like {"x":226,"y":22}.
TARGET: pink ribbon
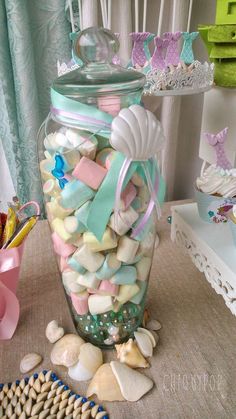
{"x":10,"y":260}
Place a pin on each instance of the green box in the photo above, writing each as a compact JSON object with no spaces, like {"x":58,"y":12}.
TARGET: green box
{"x":225,"y":12}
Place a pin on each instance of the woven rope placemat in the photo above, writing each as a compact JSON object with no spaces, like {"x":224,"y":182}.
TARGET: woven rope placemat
{"x":45,"y":396}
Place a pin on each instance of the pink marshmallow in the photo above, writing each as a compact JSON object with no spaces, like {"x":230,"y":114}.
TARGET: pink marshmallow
{"x":109,"y":104}
{"x":63,"y":264}
{"x":89,"y":172}
{"x":107,"y":288}
{"x":80,"y":302}
{"x":128,"y":195}
{"x":61,"y":248}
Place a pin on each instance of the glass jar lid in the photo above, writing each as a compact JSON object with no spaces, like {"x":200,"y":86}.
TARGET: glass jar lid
{"x":96,"y":47}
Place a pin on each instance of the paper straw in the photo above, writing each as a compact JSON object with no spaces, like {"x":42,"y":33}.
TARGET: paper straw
{"x":80,"y":14}
{"x":160,"y":20}
{"x":174,"y":14}
{"x":109,"y":15}
{"x":104,"y":22}
{"x":71,"y":16}
{"x":144,"y":15}
{"x":189,"y":14}
{"x":136,"y":14}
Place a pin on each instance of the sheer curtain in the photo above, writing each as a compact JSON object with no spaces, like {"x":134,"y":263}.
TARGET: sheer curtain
{"x":34,"y":35}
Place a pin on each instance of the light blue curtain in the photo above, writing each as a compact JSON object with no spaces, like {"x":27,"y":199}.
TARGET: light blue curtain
{"x":34,"y":34}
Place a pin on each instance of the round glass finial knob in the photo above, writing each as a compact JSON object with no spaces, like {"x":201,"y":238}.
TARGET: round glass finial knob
{"x":96,"y":45}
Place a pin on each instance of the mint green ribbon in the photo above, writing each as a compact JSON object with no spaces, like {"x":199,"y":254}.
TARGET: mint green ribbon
{"x":87,"y":117}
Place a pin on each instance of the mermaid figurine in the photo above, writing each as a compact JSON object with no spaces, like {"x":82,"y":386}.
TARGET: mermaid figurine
{"x":187,"y":55}
{"x":172,"y":53}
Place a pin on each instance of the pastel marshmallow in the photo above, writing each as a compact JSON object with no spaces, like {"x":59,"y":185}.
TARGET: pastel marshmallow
{"x":143,"y":268}
{"x":124,"y":220}
{"x":128,"y":195}
{"x":127,"y":249}
{"x":108,"y":288}
{"x":86,"y":144}
{"x":72,"y":158}
{"x":46,"y":167}
{"x":147,"y":243}
{"x":75,"y":265}
{"x":58,"y":226}
{"x":110,"y":104}
{"x":71,"y":224}
{"x":109,"y":241}
{"x":69,"y":279}
{"x":126,"y":292}
{"x":137,"y":298}
{"x":110,"y":159}
{"x":88,"y":259}
{"x":50,"y":142}
{"x":144,"y":195}
{"x":60,"y":247}
{"x":56,"y":210}
{"x":137,"y":204}
{"x":61,"y":140}
{"x":75,"y":194}
{"x":88,"y":280}
{"x":125,"y":275}
{"x":137,"y":180}
{"x":99,"y":304}
{"x":102,"y":156}
{"x":109,"y":267}
{"x":63,"y":265}
{"x":89,"y":172}
{"x":51,"y":188}
{"x":80,"y":302}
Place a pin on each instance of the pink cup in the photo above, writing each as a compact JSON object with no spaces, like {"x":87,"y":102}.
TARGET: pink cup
{"x":10,"y":261}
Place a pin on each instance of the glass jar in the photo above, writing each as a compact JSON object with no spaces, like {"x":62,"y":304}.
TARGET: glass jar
{"x":104,"y":271}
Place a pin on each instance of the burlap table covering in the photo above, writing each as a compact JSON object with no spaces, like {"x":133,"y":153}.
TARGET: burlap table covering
{"x":194,"y":364}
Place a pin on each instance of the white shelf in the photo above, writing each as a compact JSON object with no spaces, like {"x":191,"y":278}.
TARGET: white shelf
{"x":210,"y":247}
{"x":179,"y":92}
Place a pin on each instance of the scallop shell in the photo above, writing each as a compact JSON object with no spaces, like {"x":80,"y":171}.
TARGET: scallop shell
{"x":129,"y":354}
{"x":66,"y":350}
{"x":90,"y":359}
{"x":136,"y":133}
{"x":105,"y":385}
{"x":149,"y":334}
{"x":144,"y":344}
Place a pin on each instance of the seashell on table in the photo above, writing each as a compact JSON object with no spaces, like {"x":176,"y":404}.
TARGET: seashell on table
{"x":45,"y":396}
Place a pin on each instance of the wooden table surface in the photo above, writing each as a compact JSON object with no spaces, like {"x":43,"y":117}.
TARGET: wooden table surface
{"x":193,"y":367}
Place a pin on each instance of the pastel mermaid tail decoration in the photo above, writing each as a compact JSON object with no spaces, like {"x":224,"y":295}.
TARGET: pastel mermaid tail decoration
{"x":172,"y":53}
{"x":140,"y":52}
{"x":116,"y":58}
{"x":158,"y":58}
{"x":217,"y":141}
{"x":187,"y":55}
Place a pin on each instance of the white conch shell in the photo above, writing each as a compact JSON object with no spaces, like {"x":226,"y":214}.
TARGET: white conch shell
{"x":136,"y":133}
{"x":105,"y":385}
{"x":90,"y":359}
{"x":129,"y":354}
